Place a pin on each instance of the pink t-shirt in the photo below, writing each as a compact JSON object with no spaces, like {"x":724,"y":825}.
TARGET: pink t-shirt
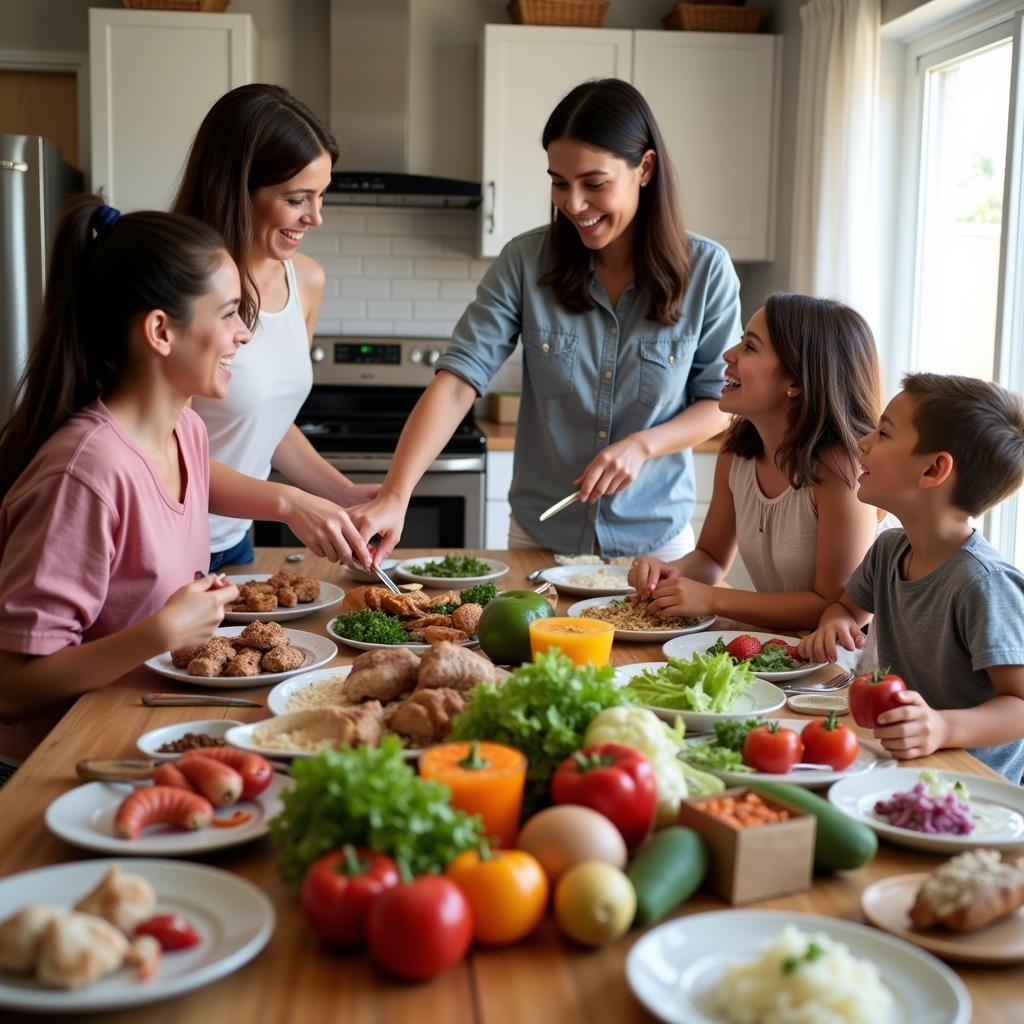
{"x":90,"y":540}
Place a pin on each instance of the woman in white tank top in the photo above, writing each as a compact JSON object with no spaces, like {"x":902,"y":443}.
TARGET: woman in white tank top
{"x":804,"y":386}
{"x":257,"y":170}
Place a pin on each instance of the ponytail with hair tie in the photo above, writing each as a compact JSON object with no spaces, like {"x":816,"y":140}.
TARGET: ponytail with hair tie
{"x":104,"y":219}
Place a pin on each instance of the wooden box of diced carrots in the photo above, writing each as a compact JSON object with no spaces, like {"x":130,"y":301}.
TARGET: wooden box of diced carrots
{"x":759,"y":847}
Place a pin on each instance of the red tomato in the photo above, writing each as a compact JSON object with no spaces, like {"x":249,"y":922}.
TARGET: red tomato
{"x":771,"y":749}
{"x":172,"y":931}
{"x":420,"y":928}
{"x":338,"y":890}
{"x":827,"y":741}
{"x":873,"y":693}
{"x":614,"y":780}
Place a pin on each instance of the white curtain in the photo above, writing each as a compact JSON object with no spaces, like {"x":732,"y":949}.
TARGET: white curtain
{"x":835,"y":229}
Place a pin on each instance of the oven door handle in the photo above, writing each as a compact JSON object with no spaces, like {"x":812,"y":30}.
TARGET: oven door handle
{"x":381,"y":464}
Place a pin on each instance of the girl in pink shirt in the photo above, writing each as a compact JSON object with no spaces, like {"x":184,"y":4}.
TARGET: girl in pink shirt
{"x":104,"y":470}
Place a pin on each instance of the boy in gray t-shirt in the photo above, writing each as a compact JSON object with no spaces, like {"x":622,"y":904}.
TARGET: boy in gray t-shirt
{"x":948,"y":609}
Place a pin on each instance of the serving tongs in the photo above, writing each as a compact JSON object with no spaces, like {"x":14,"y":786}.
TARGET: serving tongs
{"x":187,"y":700}
{"x":386,"y":580}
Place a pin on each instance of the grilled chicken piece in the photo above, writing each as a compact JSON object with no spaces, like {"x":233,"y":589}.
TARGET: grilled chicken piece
{"x":428,"y":620}
{"x":123,"y":899}
{"x":467,"y":617}
{"x":382,"y":675}
{"x":22,"y":934}
{"x":426,"y":716}
{"x":448,"y":666}
{"x":78,"y":949}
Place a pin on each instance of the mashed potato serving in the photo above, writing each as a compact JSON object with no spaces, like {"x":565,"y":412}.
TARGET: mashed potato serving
{"x":803,"y":979}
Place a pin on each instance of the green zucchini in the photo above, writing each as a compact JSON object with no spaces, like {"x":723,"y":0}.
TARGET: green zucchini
{"x":840,"y":843}
{"x":666,"y":872}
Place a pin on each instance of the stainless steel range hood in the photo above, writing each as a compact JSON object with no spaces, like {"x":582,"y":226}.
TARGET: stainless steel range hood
{"x":370,"y":112}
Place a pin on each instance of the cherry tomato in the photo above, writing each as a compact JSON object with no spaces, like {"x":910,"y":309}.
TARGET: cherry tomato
{"x":873,"y":693}
{"x":770,"y":749}
{"x":507,"y":889}
{"x":827,"y":741}
{"x":172,"y":931}
{"x":420,"y":928}
{"x":338,"y":890}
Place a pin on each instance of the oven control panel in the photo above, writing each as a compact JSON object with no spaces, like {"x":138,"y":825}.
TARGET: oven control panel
{"x":391,"y":362}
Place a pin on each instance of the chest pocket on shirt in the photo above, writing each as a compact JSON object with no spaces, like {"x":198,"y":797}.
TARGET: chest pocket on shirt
{"x":550,"y":359}
{"x":664,"y":369}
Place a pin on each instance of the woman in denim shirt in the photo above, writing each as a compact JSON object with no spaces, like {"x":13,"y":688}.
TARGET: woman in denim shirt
{"x":623,"y":318}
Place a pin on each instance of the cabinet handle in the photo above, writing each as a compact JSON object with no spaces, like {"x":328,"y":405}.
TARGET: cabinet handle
{"x":492,"y":208}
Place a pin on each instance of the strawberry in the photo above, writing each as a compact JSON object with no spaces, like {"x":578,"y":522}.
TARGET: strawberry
{"x":789,"y":648}
{"x":744,"y":647}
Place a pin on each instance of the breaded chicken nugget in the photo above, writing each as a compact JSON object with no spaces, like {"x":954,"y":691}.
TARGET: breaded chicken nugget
{"x":205,"y":666}
{"x":283,"y":659}
{"x":281,"y":578}
{"x":467,"y":617}
{"x":287,"y":598}
{"x":263,"y":636}
{"x":434,"y":633}
{"x":183,"y":655}
{"x":245,"y":663}
{"x":219,"y":647}
{"x":306,"y":588}
{"x":260,"y":602}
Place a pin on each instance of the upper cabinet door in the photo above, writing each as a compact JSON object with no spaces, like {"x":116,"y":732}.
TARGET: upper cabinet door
{"x":713,"y":94}
{"x":153,"y":77}
{"x":526,"y":71}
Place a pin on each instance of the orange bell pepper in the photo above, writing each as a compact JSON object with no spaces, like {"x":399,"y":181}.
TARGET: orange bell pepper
{"x":507,"y":890}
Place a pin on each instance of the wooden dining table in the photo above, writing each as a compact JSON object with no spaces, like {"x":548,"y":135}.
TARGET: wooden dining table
{"x":544,"y":978}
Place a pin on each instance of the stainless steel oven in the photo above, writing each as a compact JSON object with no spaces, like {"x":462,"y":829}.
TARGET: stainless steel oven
{"x":363,"y":392}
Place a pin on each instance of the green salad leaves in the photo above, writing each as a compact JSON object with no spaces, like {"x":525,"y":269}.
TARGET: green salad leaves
{"x":369,"y":796}
{"x":704,"y":682}
{"x":544,"y":710}
{"x":370,"y":626}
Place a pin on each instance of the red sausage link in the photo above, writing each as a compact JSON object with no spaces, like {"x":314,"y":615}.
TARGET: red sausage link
{"x":161,"y":804}
{"x":167,"y":775}
{"x":218,"y":782}
{"x":256,"y":771}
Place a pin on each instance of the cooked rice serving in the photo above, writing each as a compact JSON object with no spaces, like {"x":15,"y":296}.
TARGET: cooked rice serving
{"x":325,"y":693}
{"x":600,"y":580}
{"x":626,"y":615}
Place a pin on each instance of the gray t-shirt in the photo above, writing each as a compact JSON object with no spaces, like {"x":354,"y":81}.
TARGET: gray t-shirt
{"x":942,"y":631}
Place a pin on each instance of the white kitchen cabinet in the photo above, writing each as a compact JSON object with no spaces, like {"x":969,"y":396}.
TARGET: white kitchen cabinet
{"x":153,"y":77}
{"x":714,"y":96}
{"x":526,"y":70}
{"x":497,"y":512}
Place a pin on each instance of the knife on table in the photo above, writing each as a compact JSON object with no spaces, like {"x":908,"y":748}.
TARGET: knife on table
{"x":184,"y":700}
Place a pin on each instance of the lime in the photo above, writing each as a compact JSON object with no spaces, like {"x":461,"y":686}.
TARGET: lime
{"x":504,"y":628}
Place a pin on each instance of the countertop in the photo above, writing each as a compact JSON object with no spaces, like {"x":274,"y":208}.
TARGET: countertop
{"x":501,"y":438}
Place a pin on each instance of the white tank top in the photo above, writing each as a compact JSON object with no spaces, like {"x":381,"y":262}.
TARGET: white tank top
{"x":270,"y":379}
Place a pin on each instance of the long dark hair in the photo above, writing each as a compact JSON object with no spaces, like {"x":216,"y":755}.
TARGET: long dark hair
{"x":102,"y":278}
{"x":610,"y":114}
{"x":253,"y":136}
{"x":829,"y":350}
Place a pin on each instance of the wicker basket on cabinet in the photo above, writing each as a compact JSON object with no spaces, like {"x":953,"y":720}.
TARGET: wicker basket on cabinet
{"x":559,"y":12}
{"x":204,"y":6}
{"x":713,"y":17}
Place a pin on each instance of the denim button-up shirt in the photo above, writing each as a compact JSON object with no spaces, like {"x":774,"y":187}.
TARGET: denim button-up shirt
{"x":592,"y":378}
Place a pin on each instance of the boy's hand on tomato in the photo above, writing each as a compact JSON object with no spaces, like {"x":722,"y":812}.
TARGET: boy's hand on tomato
{"x":770,"y":749}
{"x":420,"y":928}
{"x":614,"y":780}
{"x":823,"y":643}
{"x":338,"y":890}
{"x":873,"y":693}
{"x":913,"y":729}
{"x":828,"y":741}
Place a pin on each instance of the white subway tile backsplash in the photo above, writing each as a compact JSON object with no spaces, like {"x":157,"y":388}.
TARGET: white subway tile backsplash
{"x":427,"y":309}
{"x":365,"y":288}
{"x":327,"y":326}
{"x":447,"y":269}
{"x":341,"y":222}
{"x":389,"y":310}
{"x":462,"y":290}
{"x":414,"y":246}
{"x":390,"y":224}
{"x":365,"y":245}
{"x":424,"y":328}
{"x":376,"y":266}
{"x":450,"y":225}
{"x":320,"y":243}
{"x":415,"y":289}
{"x":340,"y":267}
{"x":376,"y":328}
{"x":343,"y":309}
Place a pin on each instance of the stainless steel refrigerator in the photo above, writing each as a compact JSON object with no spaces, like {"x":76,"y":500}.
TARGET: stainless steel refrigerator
{"x":34,"y":182}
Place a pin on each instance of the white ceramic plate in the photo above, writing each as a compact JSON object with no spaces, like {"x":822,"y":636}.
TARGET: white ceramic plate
{"x":886,"y":904}
{"x":281,"y":695}
{"x":241,"y":736}
{"x":330,"y":594}
{"x":234,"y":920}
{"x":997,"y":807}
{"x":84,"y":816}
{"x":363,"y":576}
{"x":761,"y":699}
{"x":407,"y":571}
{"x":149,"y":743}
{"x":647,"y":636}
{"x":871,"y":756}
{"x":674,"y":968}
{"x":562,"y":575}
{"x":364,"y":645}
{"x":317,"y":649}
{"x":686,"y":647}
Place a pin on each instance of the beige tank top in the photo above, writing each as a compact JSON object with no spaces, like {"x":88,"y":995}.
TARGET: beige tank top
{"x":777,"y":537}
